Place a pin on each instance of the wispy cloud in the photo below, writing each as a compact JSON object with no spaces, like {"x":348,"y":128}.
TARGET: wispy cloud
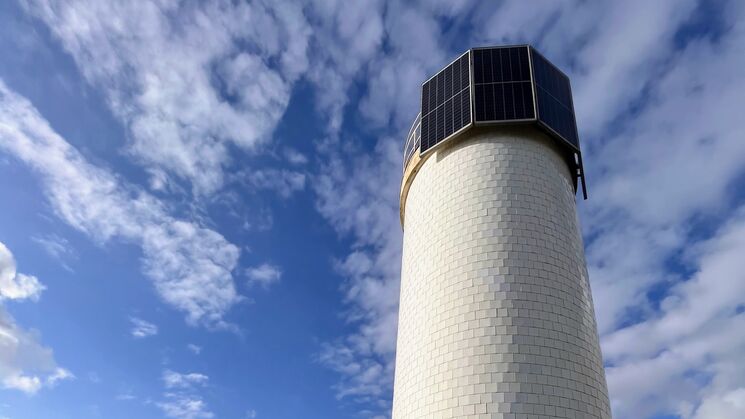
{"x":283,"y":182}
{"x":184,"y":106}
{"x":189,"y":265}
{"x":181,"y":399}
{"x":173,"y":379}
{"x":356,"y":198}
{"x":183,"y":406}
{"x":295,"y":157}
{"x":142,"y":328}
{"x":350,"y":33}
{"x":125,"y":396}
{"x":195,"y":349}
{"x":264,"y":275}
{"x":57,"y":247}
{"x":59,"y":374}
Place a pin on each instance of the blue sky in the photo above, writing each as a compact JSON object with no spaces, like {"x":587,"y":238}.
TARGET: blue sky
{"x":200,"y":199}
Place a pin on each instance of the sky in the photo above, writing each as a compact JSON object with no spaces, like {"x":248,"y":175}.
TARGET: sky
{"x":199,"y":199}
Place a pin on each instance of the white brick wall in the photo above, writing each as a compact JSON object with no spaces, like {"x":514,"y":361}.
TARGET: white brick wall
{"x":496,"y":317}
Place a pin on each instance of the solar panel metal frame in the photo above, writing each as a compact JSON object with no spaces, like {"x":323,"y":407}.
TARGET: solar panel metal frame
{"x":470,"y":92}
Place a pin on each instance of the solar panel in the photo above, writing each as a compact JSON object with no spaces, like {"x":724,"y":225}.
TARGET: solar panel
{"x":446,"y":103}
{"x":554,"y":99}
{"x":502,"y":86}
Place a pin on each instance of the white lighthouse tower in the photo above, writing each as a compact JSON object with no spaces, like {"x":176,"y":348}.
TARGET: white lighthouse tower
{"x":496,"y":316}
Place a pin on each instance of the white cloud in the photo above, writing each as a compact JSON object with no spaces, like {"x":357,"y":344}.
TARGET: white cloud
{"x":175,"y":75}
{"x":181,"y":400}
{"x":356,"y":196}
{"x":14,"y":285}
{"x":58,"y":375}
{"x":349,"y":34}
{"x":190,"y":265}
{"x":690,"y":349}
{"x":295,"y":157}
{"x":26,"y":384}
{"x":364,"y":378}
{"x":195,"y":349}
{"x":25,"y":364}
{"x":182,"y":406}
{"x":650,"y":191}
{"x":730,"y":405}
{"x":283,"y":182}
{"x":173,"y":379}
{"x":264,"y":274}
{"x":142,"y":328}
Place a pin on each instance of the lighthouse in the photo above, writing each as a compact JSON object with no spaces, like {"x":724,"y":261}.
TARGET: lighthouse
{"x":496,"y":317}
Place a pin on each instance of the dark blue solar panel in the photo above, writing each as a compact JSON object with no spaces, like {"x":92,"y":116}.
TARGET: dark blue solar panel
{"x":502,"y":87}
{"x":554,"y":99}
{"x":446,"y":103}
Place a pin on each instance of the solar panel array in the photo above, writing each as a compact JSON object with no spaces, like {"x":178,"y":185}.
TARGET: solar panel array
{"x":446,"y":103}
{"x":502,"y":86}
{"x":510,"y":84}
{"x":554,"y":94}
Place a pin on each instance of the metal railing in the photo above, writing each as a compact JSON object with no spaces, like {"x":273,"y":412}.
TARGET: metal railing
{"x":413,"y":140}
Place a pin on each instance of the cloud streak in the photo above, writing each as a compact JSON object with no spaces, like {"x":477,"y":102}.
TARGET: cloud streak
{"x":190,"y":265}
{"x":142,"y":329}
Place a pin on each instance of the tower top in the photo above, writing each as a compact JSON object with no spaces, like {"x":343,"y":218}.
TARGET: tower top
{"x":496,"y":85}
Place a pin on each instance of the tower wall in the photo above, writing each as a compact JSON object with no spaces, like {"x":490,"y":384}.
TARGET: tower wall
{"x":496,"y":317}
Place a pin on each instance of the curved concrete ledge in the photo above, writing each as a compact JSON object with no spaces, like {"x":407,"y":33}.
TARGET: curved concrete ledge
{"x":415,"y":163}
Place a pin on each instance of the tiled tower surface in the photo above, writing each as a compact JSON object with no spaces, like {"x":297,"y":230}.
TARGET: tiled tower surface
{"x":496,"y":317}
